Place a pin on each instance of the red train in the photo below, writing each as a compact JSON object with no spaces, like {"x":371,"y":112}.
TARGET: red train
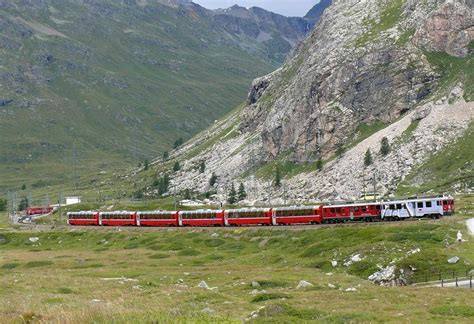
{"x":38,"y":210}
{"x":332,"y":213}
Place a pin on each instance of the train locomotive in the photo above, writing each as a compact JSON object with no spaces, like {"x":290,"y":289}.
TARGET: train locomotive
{"x":390,"y":210}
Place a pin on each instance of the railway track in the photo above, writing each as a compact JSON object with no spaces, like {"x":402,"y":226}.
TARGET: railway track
{"x":299,"y":227}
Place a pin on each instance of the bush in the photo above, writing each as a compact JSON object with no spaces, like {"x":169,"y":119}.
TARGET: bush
{"x":265,"y":297}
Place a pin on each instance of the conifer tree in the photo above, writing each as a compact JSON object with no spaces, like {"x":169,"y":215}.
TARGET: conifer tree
{"x":202,"y":167}
{"x":277,"y":181}
{"x":213,"y":179}
{"x":176,"y":166}
{"x":242,"y":194}
{"x":319,"y":164}
{"x":384,"y":146}
{"x":232,"y":197}
{"x":368,"y":158}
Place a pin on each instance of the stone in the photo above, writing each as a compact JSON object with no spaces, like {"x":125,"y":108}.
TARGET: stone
{"x":350,"y":289}
{"x":459,"y":236}
{"x":453,"y":260}
{"x":203,"y":285}
{"x":214,"y":235}
{"x":334,"y":263}
{"x":33,"y":239}
{"x":330,"y":285}
{"x":304,"y":284}
{"x":255,"y":284}
{"x":384,"y":275}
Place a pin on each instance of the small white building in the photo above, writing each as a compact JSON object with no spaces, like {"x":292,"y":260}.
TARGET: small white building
{"x":73,"y":200}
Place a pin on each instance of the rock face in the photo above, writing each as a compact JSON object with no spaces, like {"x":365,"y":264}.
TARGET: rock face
{"x":364,"y":73}
{"x":316,"y":101}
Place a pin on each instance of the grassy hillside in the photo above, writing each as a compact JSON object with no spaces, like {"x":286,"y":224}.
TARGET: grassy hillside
{"x":452,"y":168}
{"x":121,"y":82}
{"x":139,"y":275}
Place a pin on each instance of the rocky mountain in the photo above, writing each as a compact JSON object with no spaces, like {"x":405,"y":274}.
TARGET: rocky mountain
{"x":370,"y":69}
{"x":100,"y":83}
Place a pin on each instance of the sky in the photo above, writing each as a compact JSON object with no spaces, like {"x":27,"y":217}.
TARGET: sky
{"x":297,"y":8}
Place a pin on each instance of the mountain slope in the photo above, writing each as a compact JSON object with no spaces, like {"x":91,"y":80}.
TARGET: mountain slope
{"x":373,"y":69}
{"x":118,"y":80}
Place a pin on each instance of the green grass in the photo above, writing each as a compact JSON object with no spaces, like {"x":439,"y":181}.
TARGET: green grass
{"x":108,"y":90}
{"x":67,"y":274}
{"x":451,"y":167}
{"x":389,"y":17}
{"x":453,"y":70}
{"x":405,"y":37}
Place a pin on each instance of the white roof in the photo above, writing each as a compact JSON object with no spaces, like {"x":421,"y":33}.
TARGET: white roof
{"x":156,"y":212}
{"x":295,"y":208}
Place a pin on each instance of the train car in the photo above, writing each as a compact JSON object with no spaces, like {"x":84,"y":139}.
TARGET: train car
{"x":201,"y":218}
{"x":413,"y":207}
{"x":448,"y":205}
{"x":360,"y":211}
{"x":158,"y":218}
{"x":38,"y":210}
{"x":248,"y":216}
{"x":84,"y":218}
{"x":297,"y":215}
{"x":118,"y":218}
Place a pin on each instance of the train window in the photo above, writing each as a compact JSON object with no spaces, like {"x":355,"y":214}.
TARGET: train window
{"x":428,"y":204}
{"x":420,"y":204}
{"x":399,"y":206}
{"x":364,"y":208}
{"x":445,"y":202}
{"x":333,"y":210}
{"x":377,"y":207}
{"x":338,"y":210}
{"x":438,"y":203}
{"x":392,"y":207}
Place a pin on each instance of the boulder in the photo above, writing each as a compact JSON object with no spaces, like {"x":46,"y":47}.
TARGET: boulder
{"x":203,"y":285}
{"x":304,"y":284}
{"x":453,"y":260}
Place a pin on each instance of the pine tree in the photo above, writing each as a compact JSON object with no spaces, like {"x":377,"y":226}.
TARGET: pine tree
{"x":277,"y":182}
{"x":368,"y":158}
{"x":319,"y":164}
{"x":23,"y":187}
{"x":145,"y":165}
{"x":242,"y":194}
{"x":202,"y":167}
{"x":176,"y":166}
{"x":384,"y":146}
{"x":232,"y":197}
{"x":166,"y":155}
{"x":213,"y":179}
{"x":178,"y":143}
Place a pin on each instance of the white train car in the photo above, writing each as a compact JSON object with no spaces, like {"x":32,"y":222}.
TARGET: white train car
{"x":414,"y":207}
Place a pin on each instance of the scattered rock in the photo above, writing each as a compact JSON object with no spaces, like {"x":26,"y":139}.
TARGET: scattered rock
{"x":334,"y":263}
{"x":256,"y":292}
{"x":180,"y":281}
{"x":208,"y":310}
{"x":453,"y":260}
{"x":354,"y":258}
{"x":255,"y":284}
{"x":384,"y":275}
{"x":203,"y":285}
{"x":330,"y":285}
{"x":459,"y":236}
{"x":351,"y":289}
{"x":214,"y":235}
{"x":96,"y":300}
{"x":34,"y":239}
{"x":304,"y":284}
{"x":414,"y":251}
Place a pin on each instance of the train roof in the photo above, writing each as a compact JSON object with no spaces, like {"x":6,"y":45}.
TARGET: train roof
{"x":83,"y":212}
{"x":157,"y":212}
{"x":117,"y":212}
{"x":201,"y":211}
{"x":246,"y":210}
{"x":296,"y":208}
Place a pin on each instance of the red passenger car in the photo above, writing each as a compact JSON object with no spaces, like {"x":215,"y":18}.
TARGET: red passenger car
{"x":38,"y":210}
{"x":201,"y":218}
{"x":369,"y":211}
{"x":83,"y":218}
{"x":157,"y":218}
{"x":118,"y":218}
{"x":248,"y":216}
{"x":297,"y":215}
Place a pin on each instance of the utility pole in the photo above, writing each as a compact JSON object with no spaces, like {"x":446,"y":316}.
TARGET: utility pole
{"x":284,"y":193}
{"x":363,"y":182}
{"x":375,"y":185}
